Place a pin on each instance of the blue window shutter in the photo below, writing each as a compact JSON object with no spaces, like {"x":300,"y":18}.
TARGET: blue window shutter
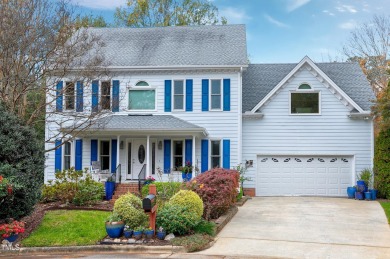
{"x":59,"y":96}
{"x":79,"y":96}
{"x":167,"y":156}
{"x":114,"y":144}
{"x":188,"y":150}
{"x":115,"y":95}
{"x":205,"y":155}
{"x":205,"y":94}
{"x":168,"y":95}
{"x":226,"y":153}
{"x":226,"y":94}
{"x":189,"y":83}
{"x":58,"y":156}
{"x":79,"y":155}
{"x":94,"y":150}
{"x":95,"y":96}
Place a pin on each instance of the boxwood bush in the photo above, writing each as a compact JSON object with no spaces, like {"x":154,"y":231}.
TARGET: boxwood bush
{"x":382,"y":164}
{"x":129,"y":208}
{"x":177,"y":219}
{"x":165,"y":190}
{"x":190,"y":200}
{"x":218,"y":190}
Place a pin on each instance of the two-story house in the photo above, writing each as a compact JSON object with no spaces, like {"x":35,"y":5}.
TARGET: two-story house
{"x":178,"y":94}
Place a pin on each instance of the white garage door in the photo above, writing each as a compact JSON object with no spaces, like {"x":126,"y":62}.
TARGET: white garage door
{"x":303,"y":175}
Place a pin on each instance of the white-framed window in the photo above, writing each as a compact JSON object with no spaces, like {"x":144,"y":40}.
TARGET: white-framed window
{"x":105,"y":95}
{"x":67,"y":155}
{"x":178,"y":95}
{"x":216,"y":94}
{"x":305,"y":101}
{"x":215,"y":153}
{"x":69,"y":96}
{"x":142,"y":97}
{"x":178,"y":153}
{"x":105,"y":154}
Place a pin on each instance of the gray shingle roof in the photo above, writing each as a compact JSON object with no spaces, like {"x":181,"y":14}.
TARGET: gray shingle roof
{"x":260,"y":79}
{"x":175,"y":46}
{"x":144,"y":122}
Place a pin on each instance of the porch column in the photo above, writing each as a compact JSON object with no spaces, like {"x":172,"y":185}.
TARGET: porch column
{"x":147,"y":156}
{"x":118,"y":174}
{"x":193,"y":155}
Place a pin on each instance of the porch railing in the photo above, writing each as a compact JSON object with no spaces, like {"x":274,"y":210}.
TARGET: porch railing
{"x":141,"y":178}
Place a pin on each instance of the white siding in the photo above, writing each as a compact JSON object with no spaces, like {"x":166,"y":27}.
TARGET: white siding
{"x":331,"y":133}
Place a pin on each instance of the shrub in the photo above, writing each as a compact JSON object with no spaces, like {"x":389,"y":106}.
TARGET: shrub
{"x":205,"y":227}
{"x":165,"y":190}
{"x":22,"y":162}
{"x":73,"y":186}
{"x":176,"y":219}
{"x":218,"y":190}
{"x":193,"y":243}
{"x":382,"y":165}
{"x":190,"y":200}
{"x":129,"y":208}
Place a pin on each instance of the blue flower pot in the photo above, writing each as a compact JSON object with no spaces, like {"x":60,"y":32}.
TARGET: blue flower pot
{"x":128,"y":233}
{"x":109,"y":187}
{"x":367,"y":196}
{"x":161,"y":235}
{"x":149,"y":233}
{"x":361,"y":186}
{"x":359,"y":196}
{"x":137,"y":234}
{"x":351,"y":192}
{"x":373,"y":194}
{"x":115,"y":229}
{"x":12,"y":238}
{"x":186,"y":177}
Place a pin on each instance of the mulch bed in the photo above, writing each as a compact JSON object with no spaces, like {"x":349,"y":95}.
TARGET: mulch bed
{"x":35,"y":218}
{"x":129,"y":241}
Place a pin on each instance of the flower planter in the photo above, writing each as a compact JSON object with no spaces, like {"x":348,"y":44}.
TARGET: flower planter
{"x":373,"y":194}
{"x":115,"y":229}
{"x":351,"y":192}
{"x":161,"y":235}
{"x":109,"y":187}
{"x":359,"y":196}
{"x":137,"y":234}
{"x":186,"y":176}
{"x":149,"y":233}
{"x":12,"y":238}
{"x":367,"y":196}
{"x":128,"y":233}
{"x":361,"y":186}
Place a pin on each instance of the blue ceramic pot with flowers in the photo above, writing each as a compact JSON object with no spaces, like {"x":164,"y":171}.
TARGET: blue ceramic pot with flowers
{"x":186,"y":172}
{"x":12,"y":238}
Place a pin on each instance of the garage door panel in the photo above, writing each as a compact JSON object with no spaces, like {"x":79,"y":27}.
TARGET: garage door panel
{"x":303,"y":175}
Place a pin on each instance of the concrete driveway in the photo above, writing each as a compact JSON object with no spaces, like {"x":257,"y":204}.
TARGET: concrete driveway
{"x":305,"y":227}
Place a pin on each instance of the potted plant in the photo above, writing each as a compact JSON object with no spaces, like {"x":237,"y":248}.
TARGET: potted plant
{"x":149,"y":232}
{"x":10,"y":231}
{"x":149,"y":180}
{"x":351,"y":192}
{"x":161,"y":233}
{"x":137,"y":234}
{"x":366,"y":177}
{"x":127,"y":232}
{"x":359,"y":194}
{"x":114,"y":225}
{"x":186,"y":171}
{"x":109,"y":187}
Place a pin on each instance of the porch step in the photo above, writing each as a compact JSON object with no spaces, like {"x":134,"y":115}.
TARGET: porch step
{"x":123,"y":188}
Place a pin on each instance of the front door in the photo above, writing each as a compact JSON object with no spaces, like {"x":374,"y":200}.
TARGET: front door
{"x":136,"y":158}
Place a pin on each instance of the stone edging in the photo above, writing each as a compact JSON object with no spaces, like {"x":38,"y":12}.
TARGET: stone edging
{"x":224,"y":219}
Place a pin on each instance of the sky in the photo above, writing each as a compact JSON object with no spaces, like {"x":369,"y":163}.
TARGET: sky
{"x":283,"y":31}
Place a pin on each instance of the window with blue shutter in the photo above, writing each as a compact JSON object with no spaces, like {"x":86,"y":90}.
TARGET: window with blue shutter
{"x":205,"y":94}
{"x":204,"y":155}
{"x":188,"y":150}
{"x":226,"y":153}
{"x":79,"y":155}
{"x":59,"y":96}
{"x":167,"y":156}
{"x":94,"y":150}
{"x":114,"y":144}
{"x":226,"y":94}
{"x":58,"y":156}
{"x":79,"y":96}
{"x":168,"y":96}
{"x":115,"y":95}
{"x":95,"y":96}
{"x":189,"y":90}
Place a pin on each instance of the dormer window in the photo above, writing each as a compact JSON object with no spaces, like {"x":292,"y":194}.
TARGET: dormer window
{"x":305,"y":101}
{"x":142,"y":97}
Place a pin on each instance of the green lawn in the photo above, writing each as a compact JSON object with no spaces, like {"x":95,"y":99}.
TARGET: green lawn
{"x":69,"y":228}
{"x":386,"y":207}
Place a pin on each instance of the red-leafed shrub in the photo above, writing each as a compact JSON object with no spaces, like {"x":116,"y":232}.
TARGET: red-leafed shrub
{"x":218,"y":190}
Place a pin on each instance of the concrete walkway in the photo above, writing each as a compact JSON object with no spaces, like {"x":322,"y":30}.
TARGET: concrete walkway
{"x":305,"y":227}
